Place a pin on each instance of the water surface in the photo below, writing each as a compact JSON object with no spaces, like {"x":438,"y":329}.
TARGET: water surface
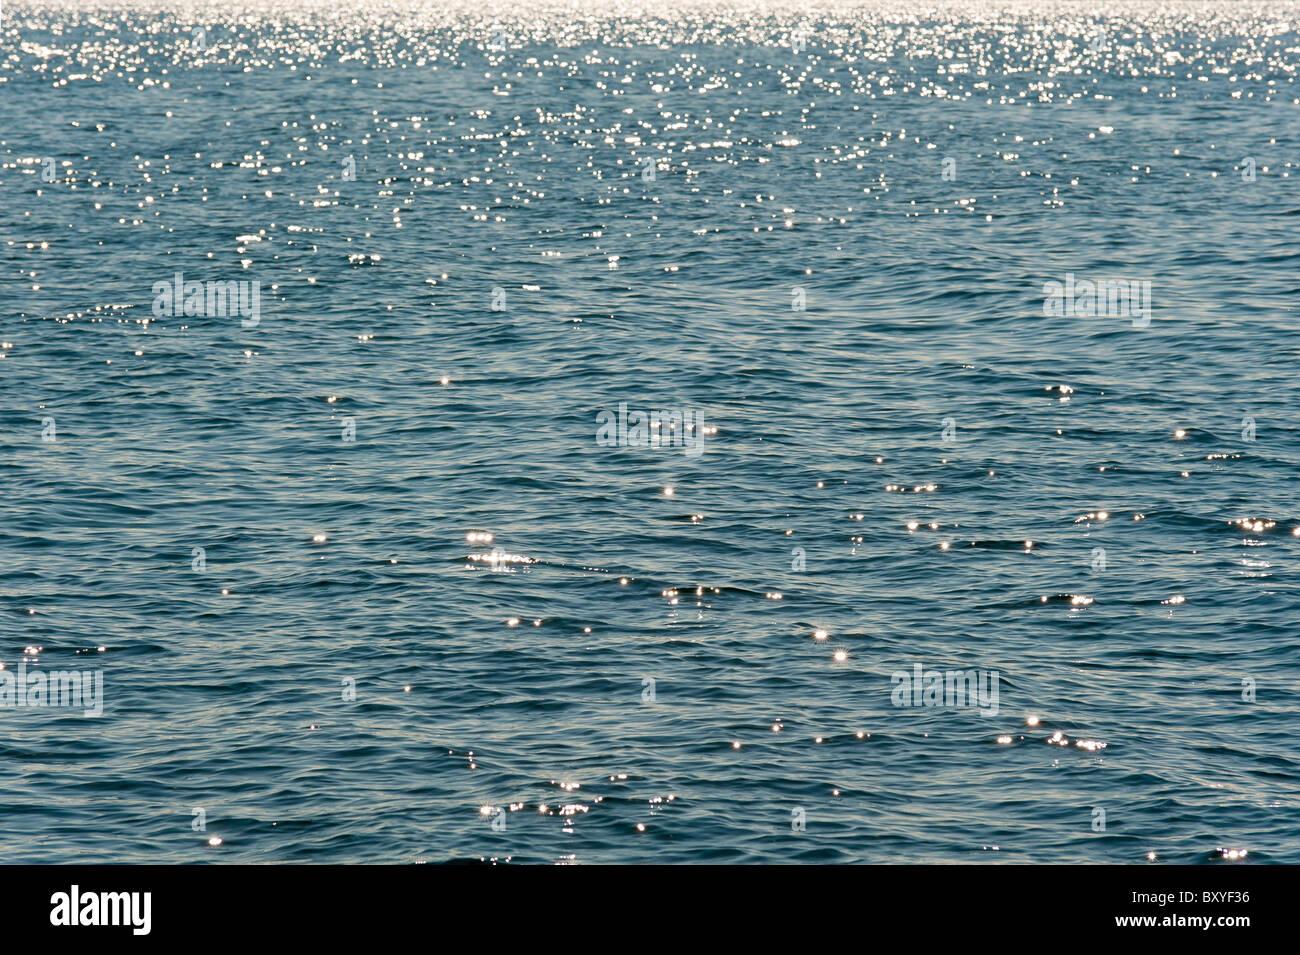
{"x":464,"y":257}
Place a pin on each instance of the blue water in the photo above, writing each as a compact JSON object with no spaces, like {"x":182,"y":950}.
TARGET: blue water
{"x":1114,"y":502}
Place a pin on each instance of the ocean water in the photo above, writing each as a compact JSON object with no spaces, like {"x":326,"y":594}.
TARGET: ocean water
{"x":365,"y":580}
